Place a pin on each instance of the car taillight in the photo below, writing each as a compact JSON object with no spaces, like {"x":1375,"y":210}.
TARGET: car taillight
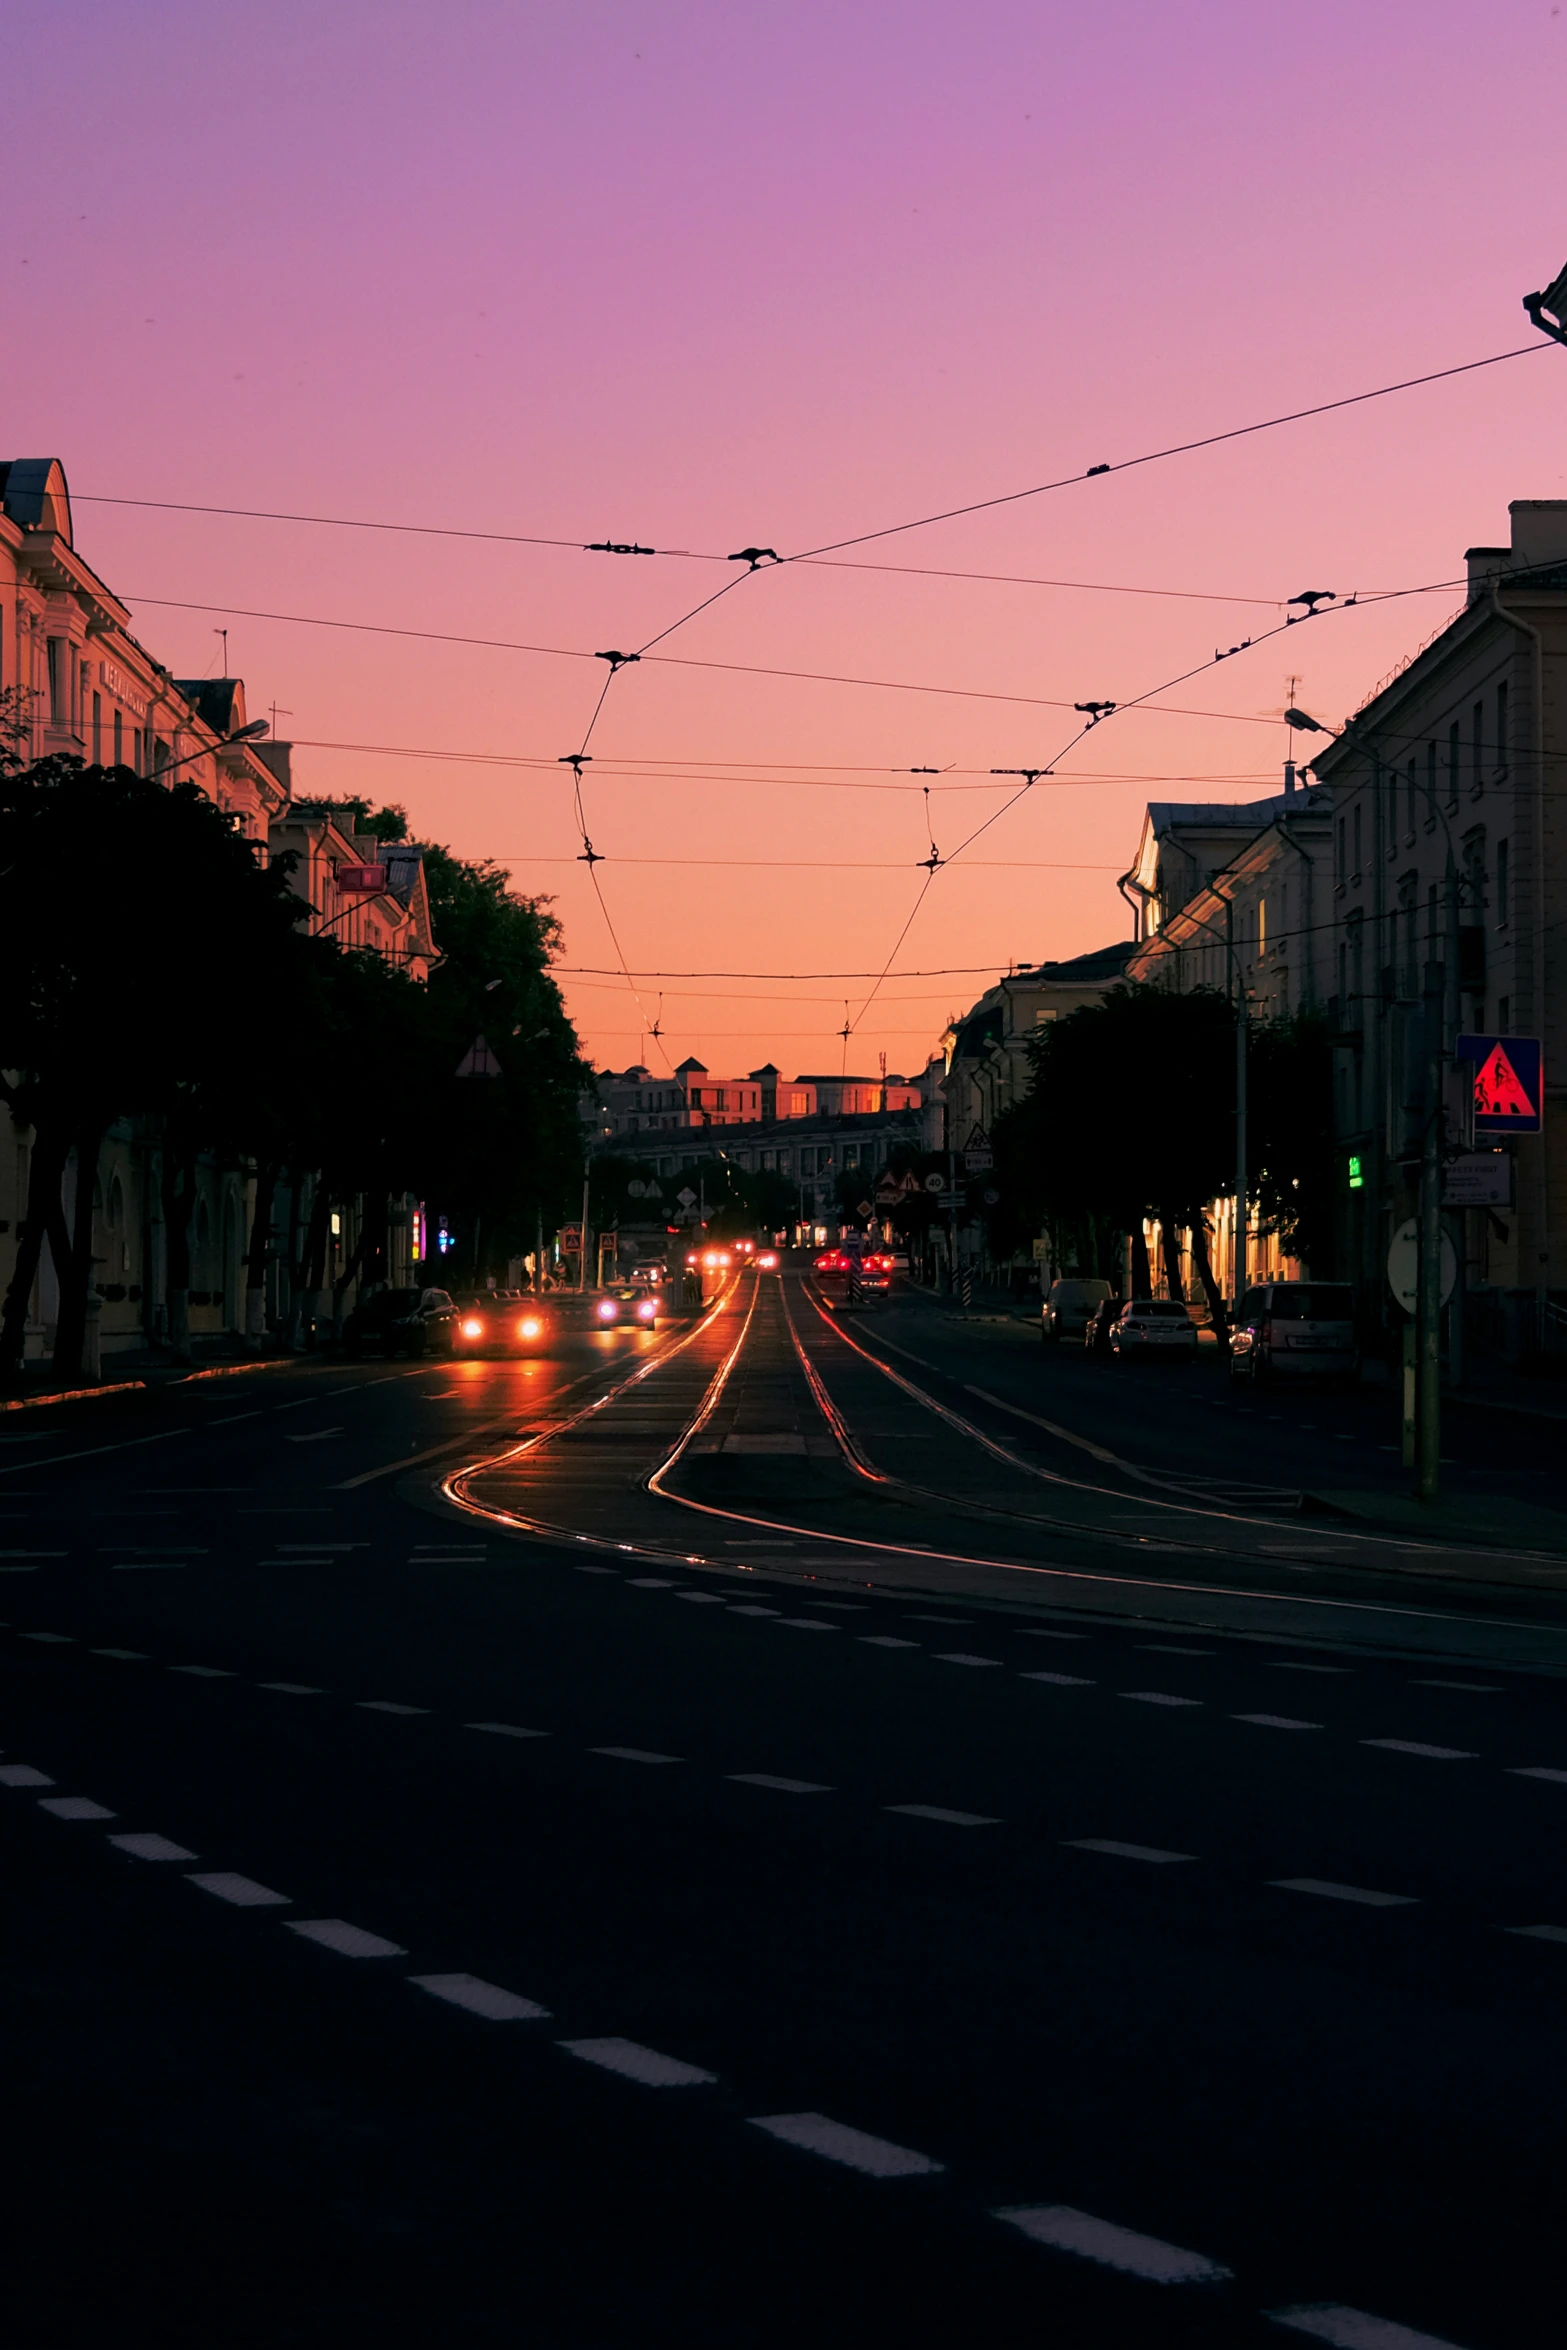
{"x":529,"y":1328}
{"x":1266,"y":1332}
{"x":473,"y":1327}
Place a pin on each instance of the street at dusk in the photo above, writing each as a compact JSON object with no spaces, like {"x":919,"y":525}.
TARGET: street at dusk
{"x":783,"y":1194}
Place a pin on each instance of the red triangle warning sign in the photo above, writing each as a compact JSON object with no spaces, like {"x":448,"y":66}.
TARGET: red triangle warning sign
{"x":1498,"y":1094}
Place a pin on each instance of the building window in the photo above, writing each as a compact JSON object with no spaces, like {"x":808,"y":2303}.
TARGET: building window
{"x":1503,"y":881}
{"x":1343,"y":866}
{"x":1431,"y":783}
{"x":54,"y":654}
{"x":1501,"y":729}
{"x":97,"y":730}
{"x":1477,"y":725}
{"x":119,"y":739}
{"x":1357,"y":840}
{"x":1453,"y":756}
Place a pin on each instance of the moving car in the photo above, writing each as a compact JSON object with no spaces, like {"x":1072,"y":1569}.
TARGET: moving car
{"x":503,"y":1318}
{"x":1068,"y":1307}
{"x":1295,"y":1330}
{"x":1153,"y":1326}
{"x":628,"y":1307}
{"x":403,"y":1321}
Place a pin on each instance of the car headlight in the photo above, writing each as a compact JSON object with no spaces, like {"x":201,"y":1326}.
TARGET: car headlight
{"x":529,"y":1328}
{"x":473,"y":1327}
{"x":646,"y":1310}
{"x":607,"y":1310}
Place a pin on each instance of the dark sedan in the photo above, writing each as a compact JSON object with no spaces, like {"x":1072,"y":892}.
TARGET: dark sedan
{"x":402,"y":1321}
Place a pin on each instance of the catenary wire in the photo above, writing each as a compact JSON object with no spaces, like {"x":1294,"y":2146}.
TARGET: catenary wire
{"x":1176,"y":449}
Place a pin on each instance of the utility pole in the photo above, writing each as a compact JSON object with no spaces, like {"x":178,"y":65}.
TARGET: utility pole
{"x":582,"y":1252}
{"x":1238,"y":1251}
{"x":1428,"y":1294}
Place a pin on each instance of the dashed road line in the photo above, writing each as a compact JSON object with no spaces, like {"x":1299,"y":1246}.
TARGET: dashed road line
{"x":149,"y":1847}
{"x":1157,"y":2263}
{"x":784,"y":1786}
{"x":939,"y":1812}
{"x":348,"y":1941}
{"x":243,"y":1892}
{"x":634,"y":1754}
{"x":472,"y":1993}
{"x":816,"y":2133}
{"x":1354,"y":2329}
{"x":633,"y":2062}
{"x":1414,"y":1746}
{"x":1118,"y":1851}
{"x":1328,"y":1891}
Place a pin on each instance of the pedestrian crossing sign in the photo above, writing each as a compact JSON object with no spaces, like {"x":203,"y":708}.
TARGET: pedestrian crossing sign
{"x":1509,"y":1083}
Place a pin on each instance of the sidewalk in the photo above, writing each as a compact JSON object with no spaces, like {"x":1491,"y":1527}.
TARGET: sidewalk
{"x":144,"y":1367}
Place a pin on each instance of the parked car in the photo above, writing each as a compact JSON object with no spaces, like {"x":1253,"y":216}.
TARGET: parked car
{"x":1068,"y":1307}
{"x":1153,"y":1326}
{"x":1101,"y":1321}
{"x":403,"y":1321}
{"x":1295,"y":1330}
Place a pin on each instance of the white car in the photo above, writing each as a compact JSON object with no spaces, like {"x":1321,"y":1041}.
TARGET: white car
{"x":1153,"y":1326}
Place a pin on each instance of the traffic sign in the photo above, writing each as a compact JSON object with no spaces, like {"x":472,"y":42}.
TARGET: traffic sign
{"x":935,"y":1182}
{"x":1509,"y":1083}
{"x":1403,"y":1265}
{"x":1478,"y":1179}
{"x":687,"y":1198}
{"x":991,"y":1196}
{"x":571,"y":1238}
{"x":978,"y":1157}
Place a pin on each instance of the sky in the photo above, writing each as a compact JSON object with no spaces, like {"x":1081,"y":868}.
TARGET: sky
{"x":701,"y":277}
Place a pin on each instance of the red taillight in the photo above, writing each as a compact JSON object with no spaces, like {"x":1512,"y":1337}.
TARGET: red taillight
{"x":1266,"y":1332}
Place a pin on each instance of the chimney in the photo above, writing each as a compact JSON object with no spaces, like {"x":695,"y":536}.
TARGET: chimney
{"x":1539,"y":532}
{"x":1485,"y":564}
{"x":1289,"y":777}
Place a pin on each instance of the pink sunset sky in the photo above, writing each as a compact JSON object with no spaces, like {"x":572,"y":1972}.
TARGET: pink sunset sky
{"x":703,"y":276}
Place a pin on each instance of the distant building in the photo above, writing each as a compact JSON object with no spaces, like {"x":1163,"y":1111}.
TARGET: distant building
{"x":986,"y":1067}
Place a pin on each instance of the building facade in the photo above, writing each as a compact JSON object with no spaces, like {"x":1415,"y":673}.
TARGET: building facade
{"x":79,"y":683}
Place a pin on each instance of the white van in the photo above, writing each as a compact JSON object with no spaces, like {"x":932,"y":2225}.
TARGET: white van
{"x":1069,"y":1307}
{"x":1295,"y":1330}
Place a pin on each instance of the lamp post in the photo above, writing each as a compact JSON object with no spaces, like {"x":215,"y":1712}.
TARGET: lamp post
{"x":1428,"y":1291}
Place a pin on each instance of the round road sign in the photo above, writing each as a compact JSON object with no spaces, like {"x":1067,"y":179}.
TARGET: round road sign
{"x":1403,"y":1265}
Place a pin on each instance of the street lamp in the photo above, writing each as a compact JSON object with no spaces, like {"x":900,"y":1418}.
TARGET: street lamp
{"x":1428,"y":1292}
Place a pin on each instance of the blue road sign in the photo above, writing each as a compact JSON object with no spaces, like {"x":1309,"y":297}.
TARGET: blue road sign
{"x":1509,"y":1083}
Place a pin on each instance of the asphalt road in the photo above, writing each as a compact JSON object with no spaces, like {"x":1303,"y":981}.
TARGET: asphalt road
{"x":904,"y":1877}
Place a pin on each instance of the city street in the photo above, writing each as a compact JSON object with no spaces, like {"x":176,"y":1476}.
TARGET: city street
{"x":532,"y":1852}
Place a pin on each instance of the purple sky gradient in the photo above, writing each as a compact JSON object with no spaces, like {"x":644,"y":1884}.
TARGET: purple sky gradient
{"x":703,"y":276}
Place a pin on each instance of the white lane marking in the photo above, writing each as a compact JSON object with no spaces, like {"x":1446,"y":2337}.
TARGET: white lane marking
{"x":283,"y":1548}
{"x":1066,"y":2230}
{"x":586,"y":1570}
{"x":1275,"y":1721}
{"x":1156,"y":1697}
{"x":233,"y":1418}
{"x":1355,"y":2329}
{"x":1059,"y":1680}
{"x":1037,"y":1632}
{"x":506,"y":1730}
{"x":633,"y":1754}
{"x":204,"y":1672}
{"x":1413,"y":1746}
{"x":635,"y":2063}
{"x":703,"y":1598}
{"x":34,"y":1554}
{"x":1288,"y":1664}
{"x":93,"y":1450}
{"x":62,"y":1639}
{"x":316,"y":1436}
{"x":753,"y":1611}
{"x":1331,"y":1892}
{"x":384,"y":1705}
{"x":941,"y":1619}
{"x":958,"y":1659}
{"x":650,"y":1583}
{"x":1474,"y":1688}
{"x":23,"y":1775}
{"x":936,"y":1811}
{"x":1166,"y":1648}
{"x":348,"y":1941}
{"x":244,"y":1892}
{"x":785,"y":1786}
{"x":481,"y":1998}
{"x":1123,"y":1851}
{"x":808,"y":1624}
{"x":18,"y":1567}
{"x":884,"y":1640}
{"x":291,"y":1688}
{"x":149,"y":1847}
{"x":147,"y":1566}
{"x":815,"y":2133}
{"x":130,"y":1656}
{"x":75,"y":1807}
{"x":1539,"y":1933}
{"x":184,"y":1550}
{"x":1535,"y":1771}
